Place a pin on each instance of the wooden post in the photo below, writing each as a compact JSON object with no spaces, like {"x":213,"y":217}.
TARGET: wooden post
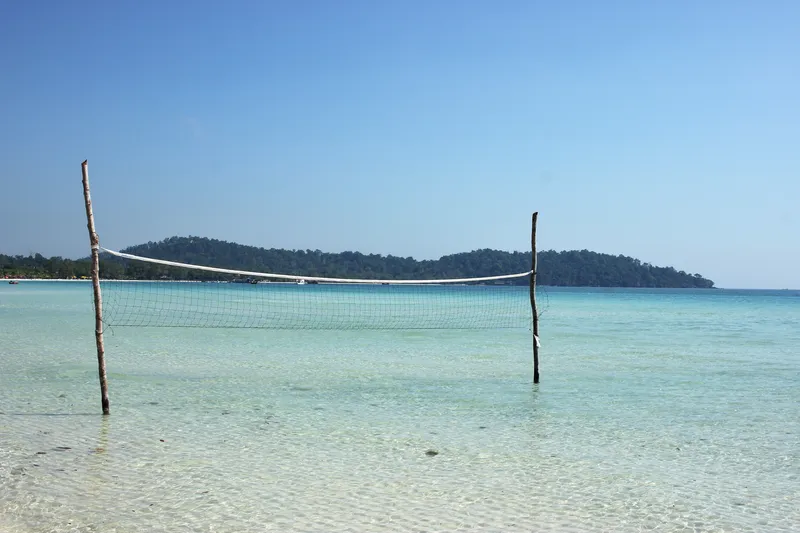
{"x":533,"y":301}
{"x":98,"y":300}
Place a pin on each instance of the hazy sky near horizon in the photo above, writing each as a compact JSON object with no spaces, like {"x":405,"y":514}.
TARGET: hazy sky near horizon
{"x":666,"y":130}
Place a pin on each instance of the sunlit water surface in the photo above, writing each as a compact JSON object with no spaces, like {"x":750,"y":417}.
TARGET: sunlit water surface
{"x":657,"y":411}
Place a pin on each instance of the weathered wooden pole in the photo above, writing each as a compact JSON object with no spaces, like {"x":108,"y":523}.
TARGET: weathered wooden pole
{"x":98,"y":300}
{"x":533,"y":301}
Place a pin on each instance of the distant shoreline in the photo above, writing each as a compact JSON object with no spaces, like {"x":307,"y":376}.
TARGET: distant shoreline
{"x":58,"y":280}
{"x":177,"y":256}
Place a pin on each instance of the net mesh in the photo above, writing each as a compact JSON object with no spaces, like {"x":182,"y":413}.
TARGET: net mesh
{"x":294,"y":302}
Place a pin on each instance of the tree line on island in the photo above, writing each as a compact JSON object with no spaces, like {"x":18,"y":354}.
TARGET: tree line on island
{"x":569,"y":268}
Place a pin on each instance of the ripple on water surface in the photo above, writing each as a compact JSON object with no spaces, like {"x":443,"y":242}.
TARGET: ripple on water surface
{"x":646,"y":419}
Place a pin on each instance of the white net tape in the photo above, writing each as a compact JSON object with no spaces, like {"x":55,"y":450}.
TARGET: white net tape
{"x":313,"y":278}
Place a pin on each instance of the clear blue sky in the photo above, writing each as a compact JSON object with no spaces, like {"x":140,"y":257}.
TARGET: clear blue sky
{"x":664,"y":130}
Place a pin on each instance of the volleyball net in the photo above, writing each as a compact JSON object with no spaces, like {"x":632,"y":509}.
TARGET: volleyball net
{"x":187,"y":295}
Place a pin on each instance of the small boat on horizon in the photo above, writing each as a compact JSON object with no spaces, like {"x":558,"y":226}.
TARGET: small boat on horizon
{"x":13,"y":282}
{"x":301,"y":282}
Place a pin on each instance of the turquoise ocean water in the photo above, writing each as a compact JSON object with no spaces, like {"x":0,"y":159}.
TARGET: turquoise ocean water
{"x":658,"y":411}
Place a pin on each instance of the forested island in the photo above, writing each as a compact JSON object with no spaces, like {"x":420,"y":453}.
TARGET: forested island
{"x":570,"y":268}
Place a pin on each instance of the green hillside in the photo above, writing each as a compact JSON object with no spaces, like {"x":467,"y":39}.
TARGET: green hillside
{"x":571,"y":268}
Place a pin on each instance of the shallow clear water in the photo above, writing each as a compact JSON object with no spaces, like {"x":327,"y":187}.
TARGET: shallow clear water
{"x":657,"y":410}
